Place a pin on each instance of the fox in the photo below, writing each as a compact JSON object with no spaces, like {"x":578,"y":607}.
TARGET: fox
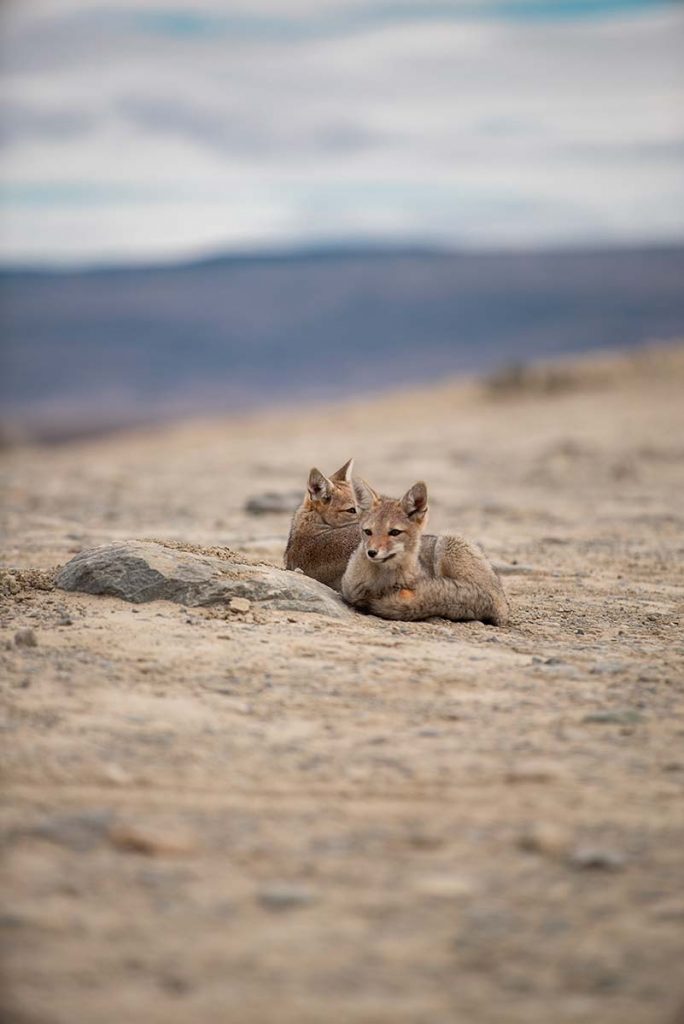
{"x":399,"y":572}
{"x":324,"y":530}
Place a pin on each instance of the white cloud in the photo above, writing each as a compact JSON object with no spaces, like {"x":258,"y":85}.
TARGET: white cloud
{"x":470,"y":131}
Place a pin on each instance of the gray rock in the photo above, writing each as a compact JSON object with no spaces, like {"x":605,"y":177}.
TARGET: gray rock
{"x":589,"y":858}
{"x":285,"y":896}
{"x":80,"y":831}
{"x":623,"y":717}
{"x":517,"y":569}
{"x":140,"y":571}
{"x":274,"y":502}
{"x":606,"y":668}
{"x":25,"y":638}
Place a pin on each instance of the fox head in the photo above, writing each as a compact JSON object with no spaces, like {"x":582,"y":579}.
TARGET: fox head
{"x":333,"y":497}
{"x":390,"y":527}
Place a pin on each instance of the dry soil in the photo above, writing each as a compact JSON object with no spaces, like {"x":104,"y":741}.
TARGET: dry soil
{"x":219,"y":816}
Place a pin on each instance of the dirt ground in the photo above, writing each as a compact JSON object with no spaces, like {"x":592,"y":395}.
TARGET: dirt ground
{"x":211,"y":816}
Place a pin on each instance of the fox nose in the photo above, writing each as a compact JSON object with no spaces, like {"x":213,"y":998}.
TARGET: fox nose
{"x":371,"y":553}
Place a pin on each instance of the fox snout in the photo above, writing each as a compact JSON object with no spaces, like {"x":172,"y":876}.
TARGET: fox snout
{"x":379,"y":551}
{"x":379,"y":556}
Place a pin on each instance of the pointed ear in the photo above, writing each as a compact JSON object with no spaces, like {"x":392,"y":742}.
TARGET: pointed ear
{"x":415,"y":502}
{"x":319,"y":486}
{"x":344,"y":473}
{"x":365,"y":495}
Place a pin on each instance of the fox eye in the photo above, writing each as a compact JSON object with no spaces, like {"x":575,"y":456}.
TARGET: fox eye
{"x":352,"y":510}
{"x":394,"y":533}
{"x":369,"y":533}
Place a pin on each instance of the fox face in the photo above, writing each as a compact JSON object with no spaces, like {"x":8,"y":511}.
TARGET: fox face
{"x":391,"y":528}
{"x":333,"y":497}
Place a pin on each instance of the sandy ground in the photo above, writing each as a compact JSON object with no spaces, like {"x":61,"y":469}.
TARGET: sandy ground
{"x":218,"y":817}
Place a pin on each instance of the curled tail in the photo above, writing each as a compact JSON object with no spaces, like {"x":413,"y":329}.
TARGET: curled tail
{"x":458,"y":600}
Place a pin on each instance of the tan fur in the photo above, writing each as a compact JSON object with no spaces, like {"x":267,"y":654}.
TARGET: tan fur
{"x":403,"y":578}
{"x":324,"y":532}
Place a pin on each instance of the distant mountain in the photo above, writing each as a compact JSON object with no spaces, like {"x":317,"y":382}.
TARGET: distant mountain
{"x":91,"y":349}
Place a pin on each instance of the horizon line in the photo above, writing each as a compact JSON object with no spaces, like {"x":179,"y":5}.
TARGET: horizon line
{"x":326,"y":249}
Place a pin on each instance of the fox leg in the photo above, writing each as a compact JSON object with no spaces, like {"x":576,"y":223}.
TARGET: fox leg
{"x":458,"y":600}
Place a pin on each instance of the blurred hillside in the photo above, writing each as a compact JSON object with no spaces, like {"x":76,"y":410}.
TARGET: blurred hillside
{"x":97,"y":349}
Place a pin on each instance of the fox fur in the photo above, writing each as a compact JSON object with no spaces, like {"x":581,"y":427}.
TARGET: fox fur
{"x":397,"y":572}
{"x":324,"y":530}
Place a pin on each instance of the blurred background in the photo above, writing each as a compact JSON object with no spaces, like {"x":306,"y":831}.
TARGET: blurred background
{"x":208,"y":207}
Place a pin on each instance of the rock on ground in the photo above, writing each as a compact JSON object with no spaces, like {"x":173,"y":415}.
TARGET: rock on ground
{"x":273,"y":503}
{"x":141,"y":571}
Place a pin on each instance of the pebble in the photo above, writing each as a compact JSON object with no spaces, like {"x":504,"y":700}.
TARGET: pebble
{"x":26,"y":638}
{"x":546,"y":838}
{"x":116,"y":775}
{"x":626,"y":717}
{"x":271,"y":502}
{"x":590,"y":858}
{"x":239,"y":604}
{"x":445,"y":886}
{"x":669,"y":910}
{"x":534,"y":772}
{"x":285,"y":896}
{"x":81,"y":831}
{"x":517,"y":569}
{"x":606,"y":668}
{"x":152,"y":842}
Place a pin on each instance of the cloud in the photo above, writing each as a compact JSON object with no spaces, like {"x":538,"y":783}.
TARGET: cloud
{"x":469,"y":123}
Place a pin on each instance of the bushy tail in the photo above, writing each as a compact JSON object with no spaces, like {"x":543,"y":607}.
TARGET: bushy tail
{"x":458,"y":600}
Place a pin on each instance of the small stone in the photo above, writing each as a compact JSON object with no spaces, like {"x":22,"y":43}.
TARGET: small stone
{"x":239,"y":604}
{"x":606,"y":668}
{"x":26,"y":637}
{"x":116,"y":775}
{"x":624,"y":717}
{"x":81,"y":831}
{"x":589,"y":858}
{"x":546,"y":838}
{"x":285,"y":896}
{"x":425,"y":840}
{"x":274,"y":502}
{"x":515,"y":568}
{"x":152,"y":842}
{"x":445,"y":886}
{"x":175,"y":984}
{"x":534,"y":772}
{"x":669,"y":910}
{"x":65,"y":620}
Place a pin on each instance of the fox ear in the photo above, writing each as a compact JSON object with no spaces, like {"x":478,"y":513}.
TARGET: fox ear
{"x":344,"y":473}
{"x":365,"y":495}
{"x":319,"y":486}
{"x":415,"y":502}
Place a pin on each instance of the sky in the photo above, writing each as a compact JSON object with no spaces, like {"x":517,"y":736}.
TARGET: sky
{"x":154,"y":131}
